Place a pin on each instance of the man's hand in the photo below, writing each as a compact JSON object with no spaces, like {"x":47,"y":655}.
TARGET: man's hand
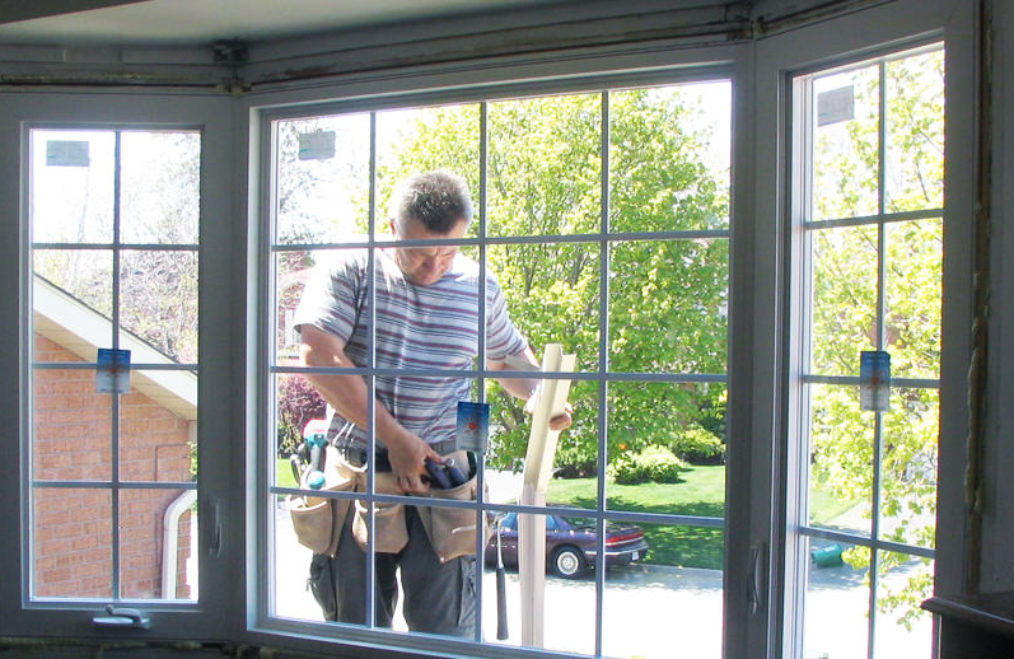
{"x":525,"y":388}
{"x":562,"y":421}
{"x":408,"y":457}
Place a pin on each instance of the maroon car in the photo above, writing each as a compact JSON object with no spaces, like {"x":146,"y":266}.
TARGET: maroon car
{"x":571,"y":544}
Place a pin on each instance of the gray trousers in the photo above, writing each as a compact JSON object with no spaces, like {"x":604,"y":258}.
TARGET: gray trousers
{"x":439,"y":597}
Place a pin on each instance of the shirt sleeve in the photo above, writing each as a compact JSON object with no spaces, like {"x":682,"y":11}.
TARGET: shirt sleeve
{"x":502,"y":337}
{"x":332,"y":298}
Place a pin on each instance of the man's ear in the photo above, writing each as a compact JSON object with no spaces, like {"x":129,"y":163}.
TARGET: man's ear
{"x":392,"y":228}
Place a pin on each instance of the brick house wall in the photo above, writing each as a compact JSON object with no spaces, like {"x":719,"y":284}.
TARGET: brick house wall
{"x":72,"y":528}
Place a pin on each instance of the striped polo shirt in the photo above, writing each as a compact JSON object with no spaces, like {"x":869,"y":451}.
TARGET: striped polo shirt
{"x":418,"y":327}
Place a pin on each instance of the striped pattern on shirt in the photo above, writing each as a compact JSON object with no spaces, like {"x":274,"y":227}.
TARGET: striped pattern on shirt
{"x":418,"y":327}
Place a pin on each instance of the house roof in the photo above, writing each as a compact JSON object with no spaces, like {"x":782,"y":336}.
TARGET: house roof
{"x":71,"y":323}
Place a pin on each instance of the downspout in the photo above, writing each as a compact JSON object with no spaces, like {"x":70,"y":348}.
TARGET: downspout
{"x":170,"y":534}
{"x":171,"y":529}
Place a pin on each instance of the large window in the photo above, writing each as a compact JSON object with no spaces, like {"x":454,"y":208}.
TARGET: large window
{"x":604,"y":216}
{"x":871,"y":160}
{"x":112,"y":476}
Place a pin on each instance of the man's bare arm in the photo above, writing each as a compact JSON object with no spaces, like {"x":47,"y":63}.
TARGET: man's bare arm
{"x":523,"y":388}
{"x":349,"y":395}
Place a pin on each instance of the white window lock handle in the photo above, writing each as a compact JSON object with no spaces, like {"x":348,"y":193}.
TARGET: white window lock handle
{"x":121,"y":618}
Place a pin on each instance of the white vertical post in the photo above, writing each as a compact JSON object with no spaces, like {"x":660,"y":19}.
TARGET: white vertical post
{"x":538,"y":470}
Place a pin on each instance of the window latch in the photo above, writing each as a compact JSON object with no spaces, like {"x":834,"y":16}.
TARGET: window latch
{"x":120,"y":618}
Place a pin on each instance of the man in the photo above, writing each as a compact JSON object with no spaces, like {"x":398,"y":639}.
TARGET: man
{"x":427,"y":317}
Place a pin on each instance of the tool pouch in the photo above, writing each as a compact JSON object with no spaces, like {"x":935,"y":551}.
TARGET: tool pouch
{"x":452,"y":530}
{"x":318,"y":521}
{"x":391,"y":531}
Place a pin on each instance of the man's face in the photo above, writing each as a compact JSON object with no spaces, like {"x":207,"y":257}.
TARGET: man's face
{"x":424,"y":266}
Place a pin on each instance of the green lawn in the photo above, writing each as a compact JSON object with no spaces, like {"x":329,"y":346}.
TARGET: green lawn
{"x":285,"y":477}
{"x":700,"y":492}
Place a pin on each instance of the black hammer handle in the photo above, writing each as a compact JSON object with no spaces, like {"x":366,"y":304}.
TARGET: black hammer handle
{"x":501,"y":592}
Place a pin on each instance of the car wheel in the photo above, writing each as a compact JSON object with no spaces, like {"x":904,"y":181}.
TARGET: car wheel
{"x":568,"y":562}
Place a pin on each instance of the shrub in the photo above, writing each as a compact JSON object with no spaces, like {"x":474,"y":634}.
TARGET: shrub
{"x":653,"y":463}
{"x":298,"y":402}
{"x":699,"y":446}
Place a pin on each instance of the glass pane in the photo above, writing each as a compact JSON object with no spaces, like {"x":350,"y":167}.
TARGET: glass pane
{"x":552,"y":294}
{"x":545,"y":165}
{"x":667,"y":448}
{"x":841,"y":459}
{"x":323,"y":183}
{"x":845,"y":140}
{"x":908,"y":493}
{"x":72,"y":186}
{"x":903,"y":628}
{"x":574,"y":472}
{"x":417,"y":140}
{"x":72,"y":543}
{"x":844,"y":298}
{"x":290,"y":562}
{"x":914,"y":289}
{"x":158,"y":427}
{"x":71,"y":426}
{"x":292,"y":270}
{"x":836,"y":612}
{"x":569,"y":595}
{"x":915,"y":132}
{"x":669,"y":157}
{"x":298,"y":404}
{"x":73,"y":291}
{"x":158,"y":304}
{"x":160,"y":186}
{"x":504,"y":525}
{"x":158,"y":544}
{"x":672,"y":592}
{"x":668,"y":306}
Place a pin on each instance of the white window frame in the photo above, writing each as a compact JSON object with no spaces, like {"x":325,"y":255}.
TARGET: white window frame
{"x":869,"y":33}
{"x":378,"y":99}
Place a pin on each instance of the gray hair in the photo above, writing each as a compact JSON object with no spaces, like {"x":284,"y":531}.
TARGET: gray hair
{"x":438,"y":199}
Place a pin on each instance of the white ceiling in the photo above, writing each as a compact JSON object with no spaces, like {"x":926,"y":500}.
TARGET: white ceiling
{"x":190,"y":22}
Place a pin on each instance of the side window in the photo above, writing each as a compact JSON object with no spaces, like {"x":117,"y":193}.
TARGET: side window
{"x":112,"y":372}
{"x":866,"y":440}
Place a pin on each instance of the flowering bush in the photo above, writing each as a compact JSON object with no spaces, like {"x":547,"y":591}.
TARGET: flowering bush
{"x":298,"y":402}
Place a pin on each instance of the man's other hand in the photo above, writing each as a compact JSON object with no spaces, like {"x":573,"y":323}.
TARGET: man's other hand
{"x":408,"y":463}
